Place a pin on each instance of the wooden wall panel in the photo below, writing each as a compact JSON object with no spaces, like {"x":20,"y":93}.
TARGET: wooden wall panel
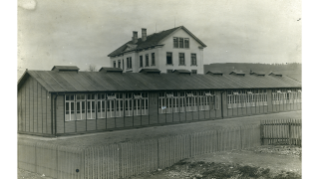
{"x":35,"y":105}
{"x":23,"y":108}
{"x":19,"y":110}
{"x":136,"y":120}
{"x":119,"y":122}
{"x":169,"y":117}
{"x":39,"y":109}
{"x":70,"y":126}
{"x":162,"y":118}
{"x":269,"y":101}
{"x":59,"y":114}
{"x":189,"y":116}
{"x":27,"y":119}
{"x":110,"y":123}
{"x":176,"y":117}
{"x":44,"y":109}
{"x":195,"y":115}
{"x":48,"y":112}
{"x":31,"y":88}
{"x":145,"y":120}
{"x":91,"y":124}
{"x":101,"y":124}
{"x":223,"y":101}
{"x":128,"y":121}
{"x":153,"y":108}
{"x":81,"y":125}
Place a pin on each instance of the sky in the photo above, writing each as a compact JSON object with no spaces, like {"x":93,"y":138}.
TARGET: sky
{"x":83,"y":33}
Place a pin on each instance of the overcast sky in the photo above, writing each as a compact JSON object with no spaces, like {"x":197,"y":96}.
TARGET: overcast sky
{"x":82,"y":32}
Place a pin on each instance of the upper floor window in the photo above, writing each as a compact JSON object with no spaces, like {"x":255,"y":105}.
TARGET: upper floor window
{"x":181,"y":59}
{"x":146,"y":60}
{"x":141,"y":61}
{"x":175,"y":40}
{"x":153,"y":59}
{"x":129,"y":62}
{"x":186,"y":41}
{"x":193,"y":59}
{"x":169,"y":58}
{"x":114,"y":64}
{"x":180,"y":42}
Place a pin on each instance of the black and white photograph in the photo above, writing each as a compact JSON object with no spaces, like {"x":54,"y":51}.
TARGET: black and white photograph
{"x":153,"y":89}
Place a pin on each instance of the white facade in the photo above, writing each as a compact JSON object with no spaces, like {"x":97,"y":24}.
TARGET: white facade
{"x":160,"y":53}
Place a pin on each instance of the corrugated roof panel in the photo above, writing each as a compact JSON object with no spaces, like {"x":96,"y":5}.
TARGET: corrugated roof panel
{"x":96,"y":81}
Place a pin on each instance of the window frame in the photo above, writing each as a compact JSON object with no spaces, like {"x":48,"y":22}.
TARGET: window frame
{"x":153,"y":63}
{"x":171,"y":53}
{"x":141,"y":61}
{"x":193,"y":59}
{"x":181,"y":59}
{"x":146,"y":60}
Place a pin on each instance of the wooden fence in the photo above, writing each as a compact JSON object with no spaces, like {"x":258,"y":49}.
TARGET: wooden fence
{"x":130,"y":158}
{"x":281,"y":131}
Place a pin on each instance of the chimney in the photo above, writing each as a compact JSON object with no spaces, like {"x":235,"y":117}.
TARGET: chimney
{"x":134,"y":38}
{"x":144,"y":34}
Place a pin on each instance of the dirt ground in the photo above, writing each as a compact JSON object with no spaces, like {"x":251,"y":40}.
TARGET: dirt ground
{"x":274,"y":162}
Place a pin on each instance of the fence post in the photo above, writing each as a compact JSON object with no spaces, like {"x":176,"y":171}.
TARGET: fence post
{"x":261,"y":133}
{"x":120,"y":160}
{"x":289,"y":132}
{"x":158,"y":157}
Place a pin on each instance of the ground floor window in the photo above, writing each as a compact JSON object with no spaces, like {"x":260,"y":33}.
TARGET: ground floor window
{"x":105,"y":105}
{"x":174,"y":102}
{"x":246,"y":98}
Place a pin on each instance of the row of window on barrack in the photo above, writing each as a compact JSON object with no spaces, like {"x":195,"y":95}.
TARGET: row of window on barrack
{"x":259,"y":98}
{"x":92,"y":106}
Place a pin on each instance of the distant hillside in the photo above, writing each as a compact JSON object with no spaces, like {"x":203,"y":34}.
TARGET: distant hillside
{"x":291,"y":70}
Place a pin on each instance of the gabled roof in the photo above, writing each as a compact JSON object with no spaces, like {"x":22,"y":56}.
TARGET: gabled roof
{"x":151,"y":41}
{"x":54,"y":81}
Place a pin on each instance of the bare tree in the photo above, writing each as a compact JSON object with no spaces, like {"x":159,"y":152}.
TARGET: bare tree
{"x":92,"y":68}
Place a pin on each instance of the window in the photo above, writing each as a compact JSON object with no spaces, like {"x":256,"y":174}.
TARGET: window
{"x":169,"y":71}
{"x":194,"y":71}
{"x":114,"y":64}
{"x":119,"y":64}
{"x":80,"y":107}
{"x":90,"y":106}
{"x":193,"y":59}
{"x":175,"y":40}
{"x":101,"y":106}
{"x":129,"y":62}
{"x":181,"y":59}
{"x":146,"y":60}
{"x":123,"y":64}
{"x":141,"y":61}
{"x":153,"y":59}
{"x":181,"y":43}
{"x":69,"y":107}
{"x":169,"y":58}
{"x":186,"y":41}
